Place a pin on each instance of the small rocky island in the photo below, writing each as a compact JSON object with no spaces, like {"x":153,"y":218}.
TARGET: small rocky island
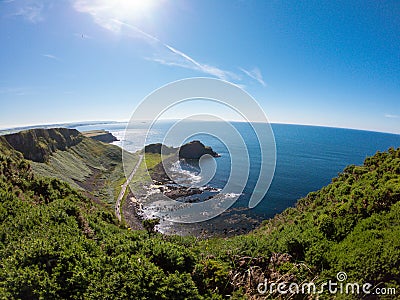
{"x":195,"y":150}
{"x":192,"y":150}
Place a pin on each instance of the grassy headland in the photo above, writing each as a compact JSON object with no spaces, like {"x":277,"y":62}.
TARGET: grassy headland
{"x":86,"y":164}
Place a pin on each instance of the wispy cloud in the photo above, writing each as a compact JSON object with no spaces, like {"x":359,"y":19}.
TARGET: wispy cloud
{"x":112,"y":16}
{"x":207,"y":69}
{"x":31,"y":11}
{"x":16,"y":91}
{"x":103,"y":12}
{"x":255,"y":74}
{"x":175,"y":57}
{"x":51,"y":56}
{"x":392,"y":116}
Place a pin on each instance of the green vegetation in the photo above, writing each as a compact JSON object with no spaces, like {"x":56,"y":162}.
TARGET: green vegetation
{"x":145,"y":170}
{"x":70,"y":156}
{"x":56,"y":243}
{"x":150,"y":225}
{"x":90,"y":165}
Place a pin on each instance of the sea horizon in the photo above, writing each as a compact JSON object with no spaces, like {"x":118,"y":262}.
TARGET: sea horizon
{"x":5,"y":129}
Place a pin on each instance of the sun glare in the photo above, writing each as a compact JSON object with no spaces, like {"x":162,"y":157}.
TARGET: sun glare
{"x":107,"y":12}
{"x":130,"y":8}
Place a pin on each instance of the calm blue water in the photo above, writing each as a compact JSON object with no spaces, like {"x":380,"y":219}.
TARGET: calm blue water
{"x":308,"y":157}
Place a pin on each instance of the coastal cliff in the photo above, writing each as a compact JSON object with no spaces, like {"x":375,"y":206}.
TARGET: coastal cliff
{"x":38,"y":144}
{"x":85,"y":163}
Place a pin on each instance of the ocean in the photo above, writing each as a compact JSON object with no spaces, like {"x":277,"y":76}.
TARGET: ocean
{"x":307,"y":158}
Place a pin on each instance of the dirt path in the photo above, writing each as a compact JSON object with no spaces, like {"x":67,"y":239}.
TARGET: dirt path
{"x":123,"y":189}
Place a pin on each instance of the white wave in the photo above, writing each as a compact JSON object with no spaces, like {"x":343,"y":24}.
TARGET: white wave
{"x":151,"y":192}
{"x":185,"y":175}
{"x":231,"y":195}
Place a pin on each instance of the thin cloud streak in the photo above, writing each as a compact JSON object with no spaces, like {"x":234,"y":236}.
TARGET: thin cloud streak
{"x":190,"y":63}
{"x":169,"y":55}
{"x":222,"y":74}
{"x":16,"y":91}
{"x":51,"y":56}
{"x":255,"y":74}
{"x":392,"y":116}
{"x":140,"y":32}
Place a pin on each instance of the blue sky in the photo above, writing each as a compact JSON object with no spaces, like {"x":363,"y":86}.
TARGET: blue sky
{"x":309,"y":62}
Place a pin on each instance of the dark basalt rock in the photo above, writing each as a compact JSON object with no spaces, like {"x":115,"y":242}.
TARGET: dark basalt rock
{"x":195,"y":150}
{"x":191,"y":150}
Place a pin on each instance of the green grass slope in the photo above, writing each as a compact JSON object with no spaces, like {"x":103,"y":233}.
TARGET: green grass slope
{"x":55,"y":243}
{"x":82,"y":162}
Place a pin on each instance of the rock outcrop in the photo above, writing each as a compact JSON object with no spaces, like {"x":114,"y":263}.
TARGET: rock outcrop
{"x":195,"y":150}
{"x":191,"y":150}
{"x":38,"y":144}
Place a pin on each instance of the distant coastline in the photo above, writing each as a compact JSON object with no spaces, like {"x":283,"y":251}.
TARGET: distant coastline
{"x":100,"y":135}
{"x":72,"y":125}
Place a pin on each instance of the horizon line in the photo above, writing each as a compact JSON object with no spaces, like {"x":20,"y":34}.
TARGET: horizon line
{"x":99,"y":122}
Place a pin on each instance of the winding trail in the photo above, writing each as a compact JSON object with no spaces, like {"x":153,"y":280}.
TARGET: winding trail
{"x":123,"y":189}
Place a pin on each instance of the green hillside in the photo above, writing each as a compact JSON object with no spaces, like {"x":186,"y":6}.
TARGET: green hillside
{"x":56,"y":243}
{"x":83,"y":162}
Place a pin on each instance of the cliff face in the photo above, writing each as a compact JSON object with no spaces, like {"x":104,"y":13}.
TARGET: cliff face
{"x":38,"y":144}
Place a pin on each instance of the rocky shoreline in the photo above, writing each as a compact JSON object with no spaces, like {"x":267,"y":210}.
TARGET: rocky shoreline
{"x":234,"y":221}
{"x":189,"y":151}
